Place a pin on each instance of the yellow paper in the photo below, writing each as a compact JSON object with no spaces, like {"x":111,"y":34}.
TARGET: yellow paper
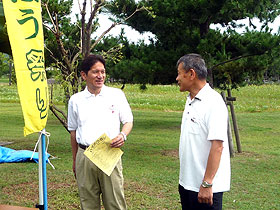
{"x":25,"y":30}
{"x":103,"y":155}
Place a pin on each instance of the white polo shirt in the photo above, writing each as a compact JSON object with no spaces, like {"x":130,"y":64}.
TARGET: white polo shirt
{"x":91,"y":115}
{"x":204,"y":119}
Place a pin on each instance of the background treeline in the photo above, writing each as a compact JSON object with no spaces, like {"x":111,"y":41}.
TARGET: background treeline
{"x":183,"y":27}
{"x":179,"y":26}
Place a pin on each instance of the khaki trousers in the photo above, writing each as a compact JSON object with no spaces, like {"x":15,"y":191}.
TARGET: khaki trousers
{"x":93,"y":183}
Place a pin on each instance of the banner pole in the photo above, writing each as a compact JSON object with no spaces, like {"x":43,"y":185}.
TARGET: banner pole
{"x":41,"y":197}
{"x":44,"y":171}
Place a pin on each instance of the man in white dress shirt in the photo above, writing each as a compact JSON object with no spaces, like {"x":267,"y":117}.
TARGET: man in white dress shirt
{"x":96,"y":110}
{"x":203,"y":151}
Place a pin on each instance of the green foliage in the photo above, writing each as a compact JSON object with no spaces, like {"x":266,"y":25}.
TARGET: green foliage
{"x":4,"y":64}
{"x":255,"y":56}
{"x":61,"y":8}
{"x":273,"y":72}
{"x":230,"y":76}
{"x":183,"y":27}
{"x":111,"y":49}
{"x":178,"y":16}
{"x":132,"y":63}
{"x":4,"y":39}
{"x":69,"y":32}
{"x":132,"y":71}
{"x":68,"y":42}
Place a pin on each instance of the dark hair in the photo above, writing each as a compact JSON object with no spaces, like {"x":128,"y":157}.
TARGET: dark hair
{"x":195,"y":62}
{"x":90,"y":60}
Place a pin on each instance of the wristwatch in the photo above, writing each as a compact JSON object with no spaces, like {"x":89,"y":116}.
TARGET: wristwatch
{"x":206,"y":184}
{"x":124,"y":135}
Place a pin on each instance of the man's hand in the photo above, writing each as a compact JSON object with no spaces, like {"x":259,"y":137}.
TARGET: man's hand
{"x":118,"y":141}
{"x":205,"y":195}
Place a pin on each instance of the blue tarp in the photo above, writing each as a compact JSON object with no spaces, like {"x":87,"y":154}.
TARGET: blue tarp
{"x":8,"y":155}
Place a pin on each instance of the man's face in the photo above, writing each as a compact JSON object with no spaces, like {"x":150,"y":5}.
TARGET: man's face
{"x":183,"y":78}
{"x":95,"y":77}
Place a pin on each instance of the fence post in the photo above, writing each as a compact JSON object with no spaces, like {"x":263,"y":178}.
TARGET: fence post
{"x":229,"y":133}
{"x":234,"y":121}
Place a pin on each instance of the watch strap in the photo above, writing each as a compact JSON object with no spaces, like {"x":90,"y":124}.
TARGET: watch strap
{"x":124,"y":135}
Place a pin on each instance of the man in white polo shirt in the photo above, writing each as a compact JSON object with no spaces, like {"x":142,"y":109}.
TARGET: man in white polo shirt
{"x":203,"y":151}
{"x":96,"y":110}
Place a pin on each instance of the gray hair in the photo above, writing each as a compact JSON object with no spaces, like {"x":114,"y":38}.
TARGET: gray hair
{"x":195,"y":62}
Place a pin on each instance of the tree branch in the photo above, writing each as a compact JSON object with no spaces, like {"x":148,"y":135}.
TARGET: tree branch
{"x":49,"y":28}
{"x":83,"y":26}
{"x":55,"y":111}
{"x":57,"y":34}
{"x":234,"y":59}
{"x":137,"y":10}
{"x":103,"y":34}
{"x":88,"y":29}
{"x":113,"y":25}
{"x":51,"y":54}
{"x":48,"y":11}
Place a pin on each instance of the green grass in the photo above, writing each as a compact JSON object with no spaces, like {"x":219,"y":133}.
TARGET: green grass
{"x":257,"y":98}
{"x":168,"y":98}
{"x":255,"y":172}
{"x":150,"y":160}
{"x":4,"y":79}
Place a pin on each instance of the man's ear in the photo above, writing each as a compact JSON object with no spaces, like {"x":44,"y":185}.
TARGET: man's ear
{"x":192,"y":73}
{"x":83,"y":75}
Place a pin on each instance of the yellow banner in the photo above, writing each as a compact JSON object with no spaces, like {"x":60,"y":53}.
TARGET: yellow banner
{"x":24,"y":25}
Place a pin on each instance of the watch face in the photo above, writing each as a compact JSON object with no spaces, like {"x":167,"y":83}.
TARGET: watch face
{"x":206,"y":184}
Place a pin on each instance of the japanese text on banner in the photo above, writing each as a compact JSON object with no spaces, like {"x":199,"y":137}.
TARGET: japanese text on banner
{"x":24,"y":25}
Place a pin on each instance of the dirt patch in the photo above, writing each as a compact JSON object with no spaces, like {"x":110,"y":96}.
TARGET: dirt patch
{"x":171,"y":153}
{"x":4,"y":143}
{"x":248,"y":154}
{"x":25,"y":192}
{"x":135,"y":186}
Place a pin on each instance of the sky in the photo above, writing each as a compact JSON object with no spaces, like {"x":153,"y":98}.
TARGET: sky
{"x":135,"y":36}
{"x":275,"y":25}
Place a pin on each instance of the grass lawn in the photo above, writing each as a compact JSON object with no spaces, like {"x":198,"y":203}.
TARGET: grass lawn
{"x":150,"y":160}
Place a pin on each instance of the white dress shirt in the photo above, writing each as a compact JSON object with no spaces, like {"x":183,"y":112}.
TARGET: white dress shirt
{"x":91,"y":116}
{"x":204,"y":119}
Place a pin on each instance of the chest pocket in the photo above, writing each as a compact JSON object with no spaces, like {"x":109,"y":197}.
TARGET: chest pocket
{"x":194,"y":125}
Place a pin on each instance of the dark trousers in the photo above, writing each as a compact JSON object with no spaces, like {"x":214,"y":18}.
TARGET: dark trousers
{"x":189,"y":200}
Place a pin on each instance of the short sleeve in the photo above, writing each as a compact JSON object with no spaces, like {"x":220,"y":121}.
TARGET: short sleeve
{"x":125,"y":110}
{"x":217,"y":121}
{"x":72,"y":116}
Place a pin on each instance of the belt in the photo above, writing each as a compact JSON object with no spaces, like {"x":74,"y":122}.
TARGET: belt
{"x":83,"y":146}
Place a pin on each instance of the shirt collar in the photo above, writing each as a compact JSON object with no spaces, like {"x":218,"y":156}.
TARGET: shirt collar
{"x":89,"y":94}
{"x":202,"y":93}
